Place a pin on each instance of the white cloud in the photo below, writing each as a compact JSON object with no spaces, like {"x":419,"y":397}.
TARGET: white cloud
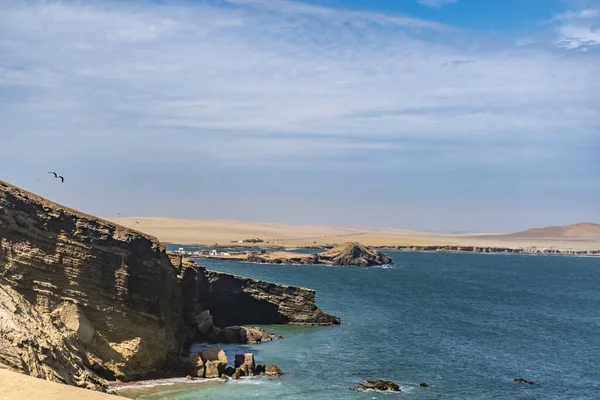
{"x":579,"y":30}
{"x":287,"y":77}
{"x":436,"y":3}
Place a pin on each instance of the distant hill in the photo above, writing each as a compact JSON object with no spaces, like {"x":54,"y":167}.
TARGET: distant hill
{"x":584,"y":230}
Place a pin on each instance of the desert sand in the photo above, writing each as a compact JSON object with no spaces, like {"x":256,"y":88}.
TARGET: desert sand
{"x":15,"y":386}
{"x":198,"y":232}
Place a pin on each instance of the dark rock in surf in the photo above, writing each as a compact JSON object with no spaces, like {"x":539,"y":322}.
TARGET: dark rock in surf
{"x":524,"y":381}
{"x":379,"y":385}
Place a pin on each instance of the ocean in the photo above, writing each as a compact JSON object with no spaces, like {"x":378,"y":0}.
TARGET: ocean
{"x":466,"y":324}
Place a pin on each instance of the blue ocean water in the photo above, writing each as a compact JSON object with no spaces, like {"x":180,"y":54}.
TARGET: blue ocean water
{"x":466,"y":324}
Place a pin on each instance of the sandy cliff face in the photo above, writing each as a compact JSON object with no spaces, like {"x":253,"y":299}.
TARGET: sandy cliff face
{"x":49,"y":355}
{"x":110,"y":288}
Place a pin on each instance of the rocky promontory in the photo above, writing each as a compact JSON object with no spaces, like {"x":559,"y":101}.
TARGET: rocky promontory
{"x":347,"y":254}
{"x":83,"y":300}
{"x":355,"y":254}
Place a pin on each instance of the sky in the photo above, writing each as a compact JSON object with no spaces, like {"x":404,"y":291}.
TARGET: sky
{"x":447,"y":115}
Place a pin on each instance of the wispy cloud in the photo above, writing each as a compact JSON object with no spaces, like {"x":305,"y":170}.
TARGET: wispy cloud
{"x":268,"y":72}
{"x":579,"y":29}
{"x":160,"y":89}
{"x":436,"y":3}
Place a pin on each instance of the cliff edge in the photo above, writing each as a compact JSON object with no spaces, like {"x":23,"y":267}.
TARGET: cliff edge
{"x":83,"y":300}
{"x":112,"y":291}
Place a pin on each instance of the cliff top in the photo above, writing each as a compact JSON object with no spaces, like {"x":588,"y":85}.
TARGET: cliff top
{"x":7,"y":191}
{"x":349,"y":249}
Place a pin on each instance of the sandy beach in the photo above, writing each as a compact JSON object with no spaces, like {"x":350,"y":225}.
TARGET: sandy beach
{"x":15,"y":386}
{"x":209,"y":233}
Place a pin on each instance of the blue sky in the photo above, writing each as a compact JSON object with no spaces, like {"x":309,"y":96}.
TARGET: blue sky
{"x":457,"y":115}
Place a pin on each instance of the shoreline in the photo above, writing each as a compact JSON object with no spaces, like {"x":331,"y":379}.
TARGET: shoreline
{"x":407,"y":249}
{"x":572,"y":239}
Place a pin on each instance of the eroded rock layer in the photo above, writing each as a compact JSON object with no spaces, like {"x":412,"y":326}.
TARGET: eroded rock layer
{"x":113,"y":288}
{"x":82,"y":299}
{"x":237,"y":300}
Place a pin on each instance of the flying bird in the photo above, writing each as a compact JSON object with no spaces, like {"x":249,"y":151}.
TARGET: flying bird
{"x":62,"y":179}
{"x":137,"y":222}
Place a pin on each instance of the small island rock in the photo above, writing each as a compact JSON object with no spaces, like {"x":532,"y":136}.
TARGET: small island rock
{"x":524,"y":381}
{"x":355,"y":254}
{"x":380,"y":385}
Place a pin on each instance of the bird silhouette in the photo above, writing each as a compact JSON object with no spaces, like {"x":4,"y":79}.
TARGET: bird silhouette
{"x":137,"y":222}
{"x":62,"y":178}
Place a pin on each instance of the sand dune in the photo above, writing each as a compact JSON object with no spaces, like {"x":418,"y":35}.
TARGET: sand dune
{"x":183,"y":231}
{"x":578,"y":231}
{"x":15,"y":386}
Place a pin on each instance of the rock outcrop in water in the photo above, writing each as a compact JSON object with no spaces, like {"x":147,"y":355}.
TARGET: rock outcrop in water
{"x":379,"y":385}
{"x":237,"y":300}
{"x":347,"y":254}
{"x":524,"y":381}
{"x":354,"y":254}
{"x":83,"y":300}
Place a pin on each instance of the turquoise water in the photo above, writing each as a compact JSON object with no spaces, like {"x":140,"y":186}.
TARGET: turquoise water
{"x":467,"y":324}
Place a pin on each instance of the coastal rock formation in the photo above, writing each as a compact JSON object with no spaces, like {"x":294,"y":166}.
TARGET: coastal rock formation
{"x":245,"y":362}
{"x":83,"y":300}
{"x":237,"y":300}
{"x":273,"y":371}
{"x":208,"y":363}
{"x":283,"y":257}
{"x":112,"y":290}
{"x":383,"y":386}
{"x":354,"y":254}
{"x":348,"y":254}
{"x":459,"y":248}
{"x":30,"y":342}
{"x":208,"y":332}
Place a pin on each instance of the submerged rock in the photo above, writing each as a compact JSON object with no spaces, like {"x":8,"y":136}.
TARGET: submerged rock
{"x":354,"y":254}
{"x":383,"y":386}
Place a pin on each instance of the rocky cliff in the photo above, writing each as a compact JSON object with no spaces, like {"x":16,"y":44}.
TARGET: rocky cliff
{"x":111,"y":289}
{"x":236,"y":300}
{"x":82,"y":299}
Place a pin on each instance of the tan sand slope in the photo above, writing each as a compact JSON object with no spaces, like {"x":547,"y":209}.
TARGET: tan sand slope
{"x":183,"y":231}
{"x":582,"y":230}
{"x":15,"y":386}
